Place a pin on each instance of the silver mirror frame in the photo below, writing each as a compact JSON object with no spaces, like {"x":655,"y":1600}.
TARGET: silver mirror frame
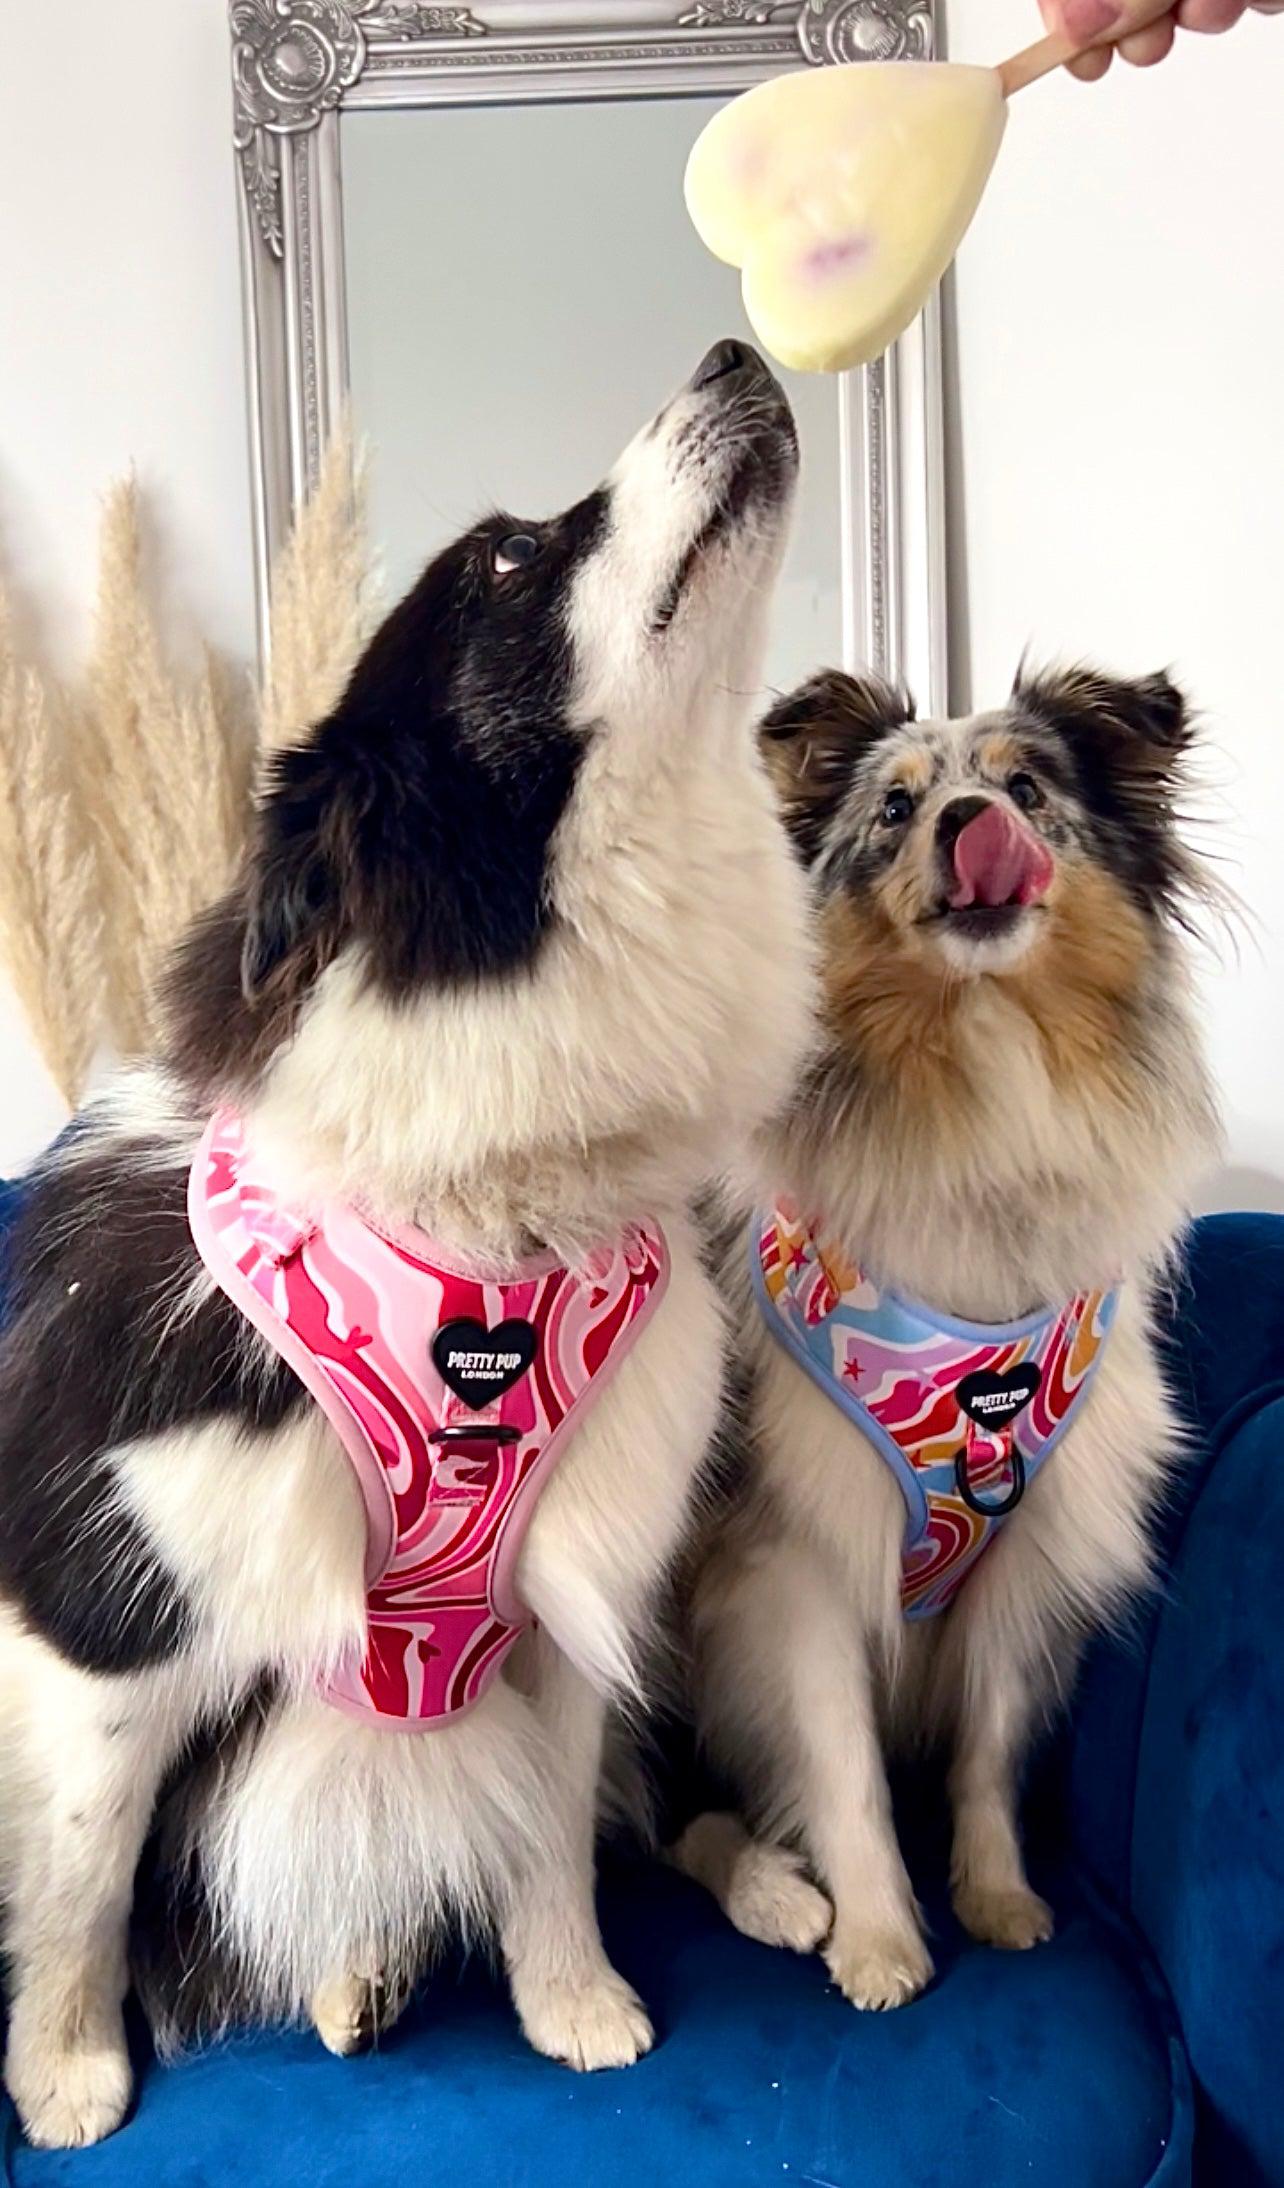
{"x":297,"y":65}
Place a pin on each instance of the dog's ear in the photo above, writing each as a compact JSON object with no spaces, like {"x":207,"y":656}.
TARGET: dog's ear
{"x":1128,"y":743}
{"x":1136,"y":731}
{"x":813,"y":738}
{"x":294,"y":917}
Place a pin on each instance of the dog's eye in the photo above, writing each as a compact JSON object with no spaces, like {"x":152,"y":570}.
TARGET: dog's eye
{"x":1025,"y":792}
{"x":897,"y":807}
{"x":514,"y":552}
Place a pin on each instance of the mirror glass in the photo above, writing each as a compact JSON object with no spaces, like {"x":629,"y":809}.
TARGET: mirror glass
{"x":524,"y":288}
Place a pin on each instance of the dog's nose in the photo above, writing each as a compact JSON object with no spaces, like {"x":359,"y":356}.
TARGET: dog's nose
{"x":995,"y":859}
{"x":954,"y":819}
{"x":723,"y":359}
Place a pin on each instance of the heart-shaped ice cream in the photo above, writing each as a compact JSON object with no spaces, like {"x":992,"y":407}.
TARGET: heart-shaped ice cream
{"x":843,"y":194}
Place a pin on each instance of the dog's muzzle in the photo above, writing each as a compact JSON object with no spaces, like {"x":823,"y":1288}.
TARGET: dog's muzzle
{"x":996,"y":862}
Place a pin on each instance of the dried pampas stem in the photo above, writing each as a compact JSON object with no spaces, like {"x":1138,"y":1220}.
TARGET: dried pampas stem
{"x":170,"y":768}
{"x":51,"y":927}
{"x":324,"y":599}
{"x":124,"y":814}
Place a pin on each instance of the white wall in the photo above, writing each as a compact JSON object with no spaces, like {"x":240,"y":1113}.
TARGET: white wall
{"x":1121,"y":330}
{"x":119,"y":341}
{"x":1121,"y":342}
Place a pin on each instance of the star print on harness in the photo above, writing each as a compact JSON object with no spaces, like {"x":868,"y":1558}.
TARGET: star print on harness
{"x":452,"y":1398}
{"x":964,"y":1413}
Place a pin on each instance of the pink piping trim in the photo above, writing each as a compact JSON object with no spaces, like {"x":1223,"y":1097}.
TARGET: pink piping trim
{"x":503,"y":1601}
{"x":376,"y":1494}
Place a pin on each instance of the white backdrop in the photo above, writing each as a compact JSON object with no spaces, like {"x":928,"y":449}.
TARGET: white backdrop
{"x":1121,"y":338}
{"x":1121,"y":327}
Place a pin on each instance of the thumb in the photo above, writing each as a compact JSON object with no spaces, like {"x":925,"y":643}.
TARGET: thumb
{"x":1116,"y":20}
{"x":1079,"y":21}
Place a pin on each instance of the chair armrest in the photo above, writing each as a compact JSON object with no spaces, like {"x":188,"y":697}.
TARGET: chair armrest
{"x":10,"y":1196}
{"x":1226,"y":1339}
{"x":1177,"y":1749}
{"x":1207,"y":1851}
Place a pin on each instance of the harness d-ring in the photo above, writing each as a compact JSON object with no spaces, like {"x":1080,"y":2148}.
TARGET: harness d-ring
{"x":974,"y":1503}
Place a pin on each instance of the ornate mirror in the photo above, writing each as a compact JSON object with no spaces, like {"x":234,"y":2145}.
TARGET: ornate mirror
{"x":469,"y":222}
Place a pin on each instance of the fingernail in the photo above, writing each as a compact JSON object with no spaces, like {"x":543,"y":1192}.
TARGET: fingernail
{"x":1086,"y":19}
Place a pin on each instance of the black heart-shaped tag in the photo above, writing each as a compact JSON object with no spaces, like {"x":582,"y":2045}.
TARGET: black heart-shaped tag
{"x":993,"y":1400}
{"x":478,"y":1364}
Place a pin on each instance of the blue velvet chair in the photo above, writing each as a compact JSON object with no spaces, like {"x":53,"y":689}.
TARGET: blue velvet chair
{"x":1136,"y":2048}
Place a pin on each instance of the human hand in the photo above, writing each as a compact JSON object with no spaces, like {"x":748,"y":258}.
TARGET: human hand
{"x":1081,"y":19}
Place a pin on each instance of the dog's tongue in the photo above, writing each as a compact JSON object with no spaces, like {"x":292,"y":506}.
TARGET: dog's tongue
{"x":997,"y":860}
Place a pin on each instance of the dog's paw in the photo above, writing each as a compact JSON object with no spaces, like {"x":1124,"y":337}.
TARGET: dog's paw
{"x":596,"y":2022}
{"x":769,"y":1898}
{"x":342,"y":2012}
{"x":879,"y":1968}
{"x":349,"y":2014}
{"x":70,"y":2097}
{"x":1012,"y":1917}
{"x":760,"y":1887}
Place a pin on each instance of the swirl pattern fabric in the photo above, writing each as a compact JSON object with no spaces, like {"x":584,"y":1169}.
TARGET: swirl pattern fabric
{"x":906,"y":1377}
{"x":354,"y":1310}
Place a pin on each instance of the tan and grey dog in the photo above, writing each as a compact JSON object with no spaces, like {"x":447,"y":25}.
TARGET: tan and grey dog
{"x":1008,"y":1107}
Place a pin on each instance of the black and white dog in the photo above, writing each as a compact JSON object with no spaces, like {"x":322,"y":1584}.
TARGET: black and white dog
{"x":516,"y":950}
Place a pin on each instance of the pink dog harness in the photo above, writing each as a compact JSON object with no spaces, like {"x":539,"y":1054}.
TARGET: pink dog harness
{"x":964,"y":1413}
{"x":452,"y":1398}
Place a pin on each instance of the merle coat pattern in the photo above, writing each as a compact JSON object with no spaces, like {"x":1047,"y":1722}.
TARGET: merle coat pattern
{"x":1008,"y":1105}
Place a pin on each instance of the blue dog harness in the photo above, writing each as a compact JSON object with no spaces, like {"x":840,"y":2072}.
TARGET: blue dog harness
{"x":964,"y":1413}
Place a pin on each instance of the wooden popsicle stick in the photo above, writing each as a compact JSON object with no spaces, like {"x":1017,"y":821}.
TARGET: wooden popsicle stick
{"x":1041,"y":58}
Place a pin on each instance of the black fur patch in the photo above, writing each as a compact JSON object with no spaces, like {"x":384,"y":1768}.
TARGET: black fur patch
{"x":189,"y":1982}
{"x":101,"y":1259}
{"x":816,"y":737}
{"x":1127,"y":745}
{"x":414,"y":825}
{"x":416,"y":822}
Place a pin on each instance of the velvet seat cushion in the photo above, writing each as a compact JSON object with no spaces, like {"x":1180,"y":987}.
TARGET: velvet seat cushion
{"x":1014,"y":2070}
{"x":1064,"y":2065}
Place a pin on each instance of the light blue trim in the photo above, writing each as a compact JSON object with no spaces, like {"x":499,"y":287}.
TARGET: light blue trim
{"x":896,"y":1307}
{"x":977,"y":1333}
{"x":917,"y":1513}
